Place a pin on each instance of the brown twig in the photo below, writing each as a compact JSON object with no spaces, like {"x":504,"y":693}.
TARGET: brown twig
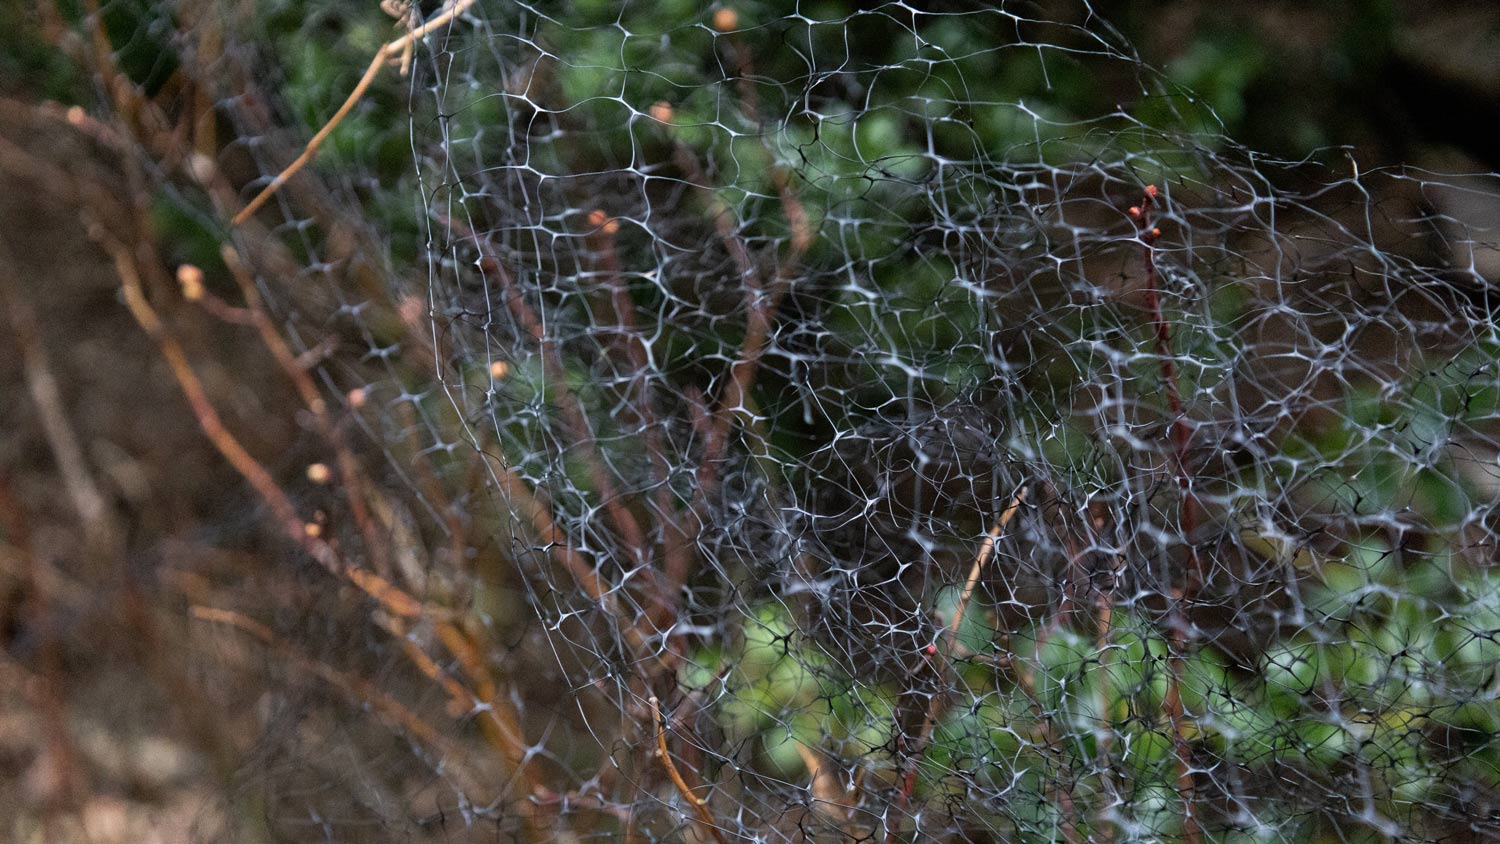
{"x":432,"y":488}
{"x":497,"y":719}
{"x":907,"y":783}
{"x":700,"y":806}
{"x":833,"y":800}
{"x":388,"y":595}
{"x":499,"y":722}
{"x":382,"y":57}
{"x":353,"y":480}
{"x":762,"y":301}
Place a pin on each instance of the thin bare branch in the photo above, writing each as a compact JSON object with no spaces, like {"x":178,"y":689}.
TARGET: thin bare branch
{"x":700,"y":806}
{"x":382,"y":57}
{"x":942,"y":660}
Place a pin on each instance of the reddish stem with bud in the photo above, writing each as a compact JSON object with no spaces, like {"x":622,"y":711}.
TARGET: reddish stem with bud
{"x":1187,"y":516}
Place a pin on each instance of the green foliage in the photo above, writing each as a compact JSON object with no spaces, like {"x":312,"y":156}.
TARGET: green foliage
{"x":29,"y":64}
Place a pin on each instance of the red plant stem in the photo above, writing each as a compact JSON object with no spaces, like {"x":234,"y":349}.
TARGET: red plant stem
{"x":1181,"y":432}
{"x":1187,"y":519}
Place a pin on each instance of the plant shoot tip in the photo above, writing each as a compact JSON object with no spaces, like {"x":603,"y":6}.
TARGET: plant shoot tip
{"x":190,"y":278}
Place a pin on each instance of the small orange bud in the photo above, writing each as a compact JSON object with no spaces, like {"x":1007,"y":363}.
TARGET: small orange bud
{"x":499,"y":369}
{"x":612,"y":226}
{"x":190,"y":279}
{"x":726,"y":19}
{"x":201,"y":168}
{"x":1155,"y":233}
{"x":661,"y":111}
{"x":319,"y":473}
{"x":932,"y":649}
{"x":597,"y":217}
{"x":1151,"y":191}
{"x":312,"y":529}
{"x":357,"y":397}
{"x":1135,"y":210}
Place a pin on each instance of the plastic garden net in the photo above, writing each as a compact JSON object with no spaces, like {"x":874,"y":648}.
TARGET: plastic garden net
{"x":782,"y":422}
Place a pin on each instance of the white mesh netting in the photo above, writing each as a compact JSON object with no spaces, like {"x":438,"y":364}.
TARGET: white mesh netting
{"x":921,"y":421}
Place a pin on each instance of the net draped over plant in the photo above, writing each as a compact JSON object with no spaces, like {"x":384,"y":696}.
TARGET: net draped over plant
{"x":789,"y":422}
